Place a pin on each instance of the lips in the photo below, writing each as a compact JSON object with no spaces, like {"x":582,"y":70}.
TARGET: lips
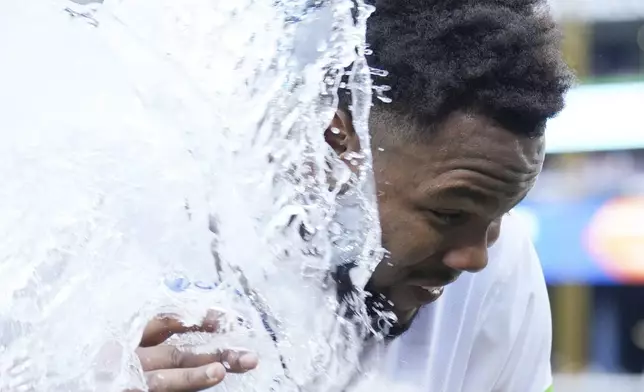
{"x":428,"y":289}
{"x":416,"y":289}
{"x":426,"y":294}
{"x":433,"y":290}
{"x":432,"y":282}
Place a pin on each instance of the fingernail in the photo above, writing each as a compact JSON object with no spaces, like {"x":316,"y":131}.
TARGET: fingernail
{"x":215,"y":372}
{"x":248,"y":361}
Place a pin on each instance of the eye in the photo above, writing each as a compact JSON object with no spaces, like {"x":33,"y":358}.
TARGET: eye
{"x":449,"y":217}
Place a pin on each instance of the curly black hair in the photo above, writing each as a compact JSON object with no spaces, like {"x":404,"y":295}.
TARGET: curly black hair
{"x":500,"y":58}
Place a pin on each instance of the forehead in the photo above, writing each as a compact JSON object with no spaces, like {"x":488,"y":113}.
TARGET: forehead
{"x":467,"y":156}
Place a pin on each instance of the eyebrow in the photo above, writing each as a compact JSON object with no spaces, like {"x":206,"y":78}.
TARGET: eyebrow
{"x":462,"y":197}
{"x":461,"y":192}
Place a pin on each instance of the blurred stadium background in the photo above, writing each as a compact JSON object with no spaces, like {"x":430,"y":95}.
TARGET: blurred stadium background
{"x":587,"y":211}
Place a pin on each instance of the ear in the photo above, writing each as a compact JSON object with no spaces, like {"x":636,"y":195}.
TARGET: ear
{"x":341,"y":136}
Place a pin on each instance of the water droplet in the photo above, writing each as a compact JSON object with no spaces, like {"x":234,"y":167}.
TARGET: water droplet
{"x":384,"y":99}
{"x":379,"y":92}
{"x":89,"y":18}
{"x":381,"y":149}
{"x":178,"y":284}
{"x":205,"y":286}
{"x":335,"y":131}
{"x":379,"y":72}
{"x":354,"y":155}
{"x":323,"y":46}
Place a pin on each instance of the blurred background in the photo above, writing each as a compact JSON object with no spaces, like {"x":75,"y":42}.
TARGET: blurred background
{"x":587,"y":211}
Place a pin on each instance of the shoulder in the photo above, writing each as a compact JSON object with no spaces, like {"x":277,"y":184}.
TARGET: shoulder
{"x":494,"y":325}
{"x":515,"y":322}
{"x":513,"y":261}
{"x":497,"y":302}
{"x":512,"y":280}
{"x":514,"y":276}
{"x":513,"y":271}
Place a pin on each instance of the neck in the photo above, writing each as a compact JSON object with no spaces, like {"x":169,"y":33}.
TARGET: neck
{"x":403,"y":323}
{"x":406,"y":317}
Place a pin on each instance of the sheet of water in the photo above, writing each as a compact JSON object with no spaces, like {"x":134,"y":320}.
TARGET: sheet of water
{"x":164,"y":156}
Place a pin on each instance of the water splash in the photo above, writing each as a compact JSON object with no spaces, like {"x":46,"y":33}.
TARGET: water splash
{"x":167,"y":156}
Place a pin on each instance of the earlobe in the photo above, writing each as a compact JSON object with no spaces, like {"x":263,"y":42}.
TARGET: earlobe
{"x":341,"y":136}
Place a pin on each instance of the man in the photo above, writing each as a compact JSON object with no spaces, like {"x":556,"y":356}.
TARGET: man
{"x":472,"y":85}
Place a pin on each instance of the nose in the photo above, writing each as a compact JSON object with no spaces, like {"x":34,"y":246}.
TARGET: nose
{"x":471,"y":254}
{"x":468,"y":258}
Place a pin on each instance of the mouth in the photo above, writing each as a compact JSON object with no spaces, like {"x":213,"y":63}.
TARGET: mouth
{"x":427,"y":290}
{"x":433,"y":290}
{"x":418,"y":289}
{"x":425,"y":294}
{"x":432,"y":283}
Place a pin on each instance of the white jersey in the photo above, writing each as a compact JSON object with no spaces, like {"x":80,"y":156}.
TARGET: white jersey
{"x":489,"y":332}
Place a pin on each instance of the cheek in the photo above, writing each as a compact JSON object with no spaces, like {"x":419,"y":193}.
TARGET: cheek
{"x":408,"y":238}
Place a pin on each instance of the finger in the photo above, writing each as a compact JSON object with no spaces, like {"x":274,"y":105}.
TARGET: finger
{"x":170,"y":357}
{"x":163,"y":327}
{"x":185,"y":380}
{"x":236,"y":361}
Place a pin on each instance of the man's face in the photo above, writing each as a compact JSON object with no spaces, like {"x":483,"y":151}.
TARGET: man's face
{"x":441,"y":200}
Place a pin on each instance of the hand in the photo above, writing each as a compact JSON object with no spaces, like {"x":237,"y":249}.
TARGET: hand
{"x":168,"y":369}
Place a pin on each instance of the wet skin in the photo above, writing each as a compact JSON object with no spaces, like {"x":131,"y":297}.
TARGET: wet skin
{"x":441,"y":199}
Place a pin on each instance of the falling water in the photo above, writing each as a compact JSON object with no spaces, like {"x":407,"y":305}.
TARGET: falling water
{"x":168,"y":156}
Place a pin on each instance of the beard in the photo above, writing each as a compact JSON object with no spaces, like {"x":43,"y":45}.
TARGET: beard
{"x":382,"y":321}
